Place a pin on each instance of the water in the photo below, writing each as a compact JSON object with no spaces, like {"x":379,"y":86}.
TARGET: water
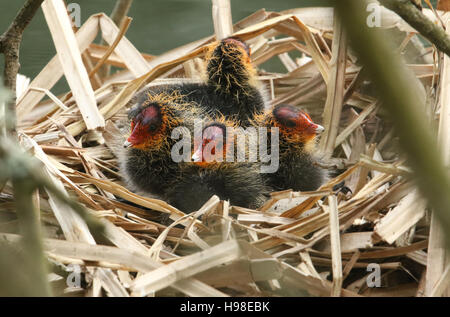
{"x":157,"y":26}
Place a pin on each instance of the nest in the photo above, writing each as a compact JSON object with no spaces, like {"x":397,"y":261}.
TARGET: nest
{"x":370,"y":240}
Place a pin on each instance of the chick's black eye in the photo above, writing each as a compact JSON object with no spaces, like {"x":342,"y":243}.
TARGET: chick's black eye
{"x":153,"y":127}
{"x":152,"y":123}
{"x":289,"y":123}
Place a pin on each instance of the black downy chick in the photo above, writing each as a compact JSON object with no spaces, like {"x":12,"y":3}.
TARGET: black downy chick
{"x":211,"y":174}
{"x":146,"y":162}
{"x":231,"y":88}
{"x":298,"y":169}
{"x":232,"y":78}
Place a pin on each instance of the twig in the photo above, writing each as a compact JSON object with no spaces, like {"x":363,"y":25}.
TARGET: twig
{"x":411,"y":14}
{"x":10,"y":46}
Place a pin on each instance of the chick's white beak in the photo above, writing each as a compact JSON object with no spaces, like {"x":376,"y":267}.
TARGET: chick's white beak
{"x":127,"y":144}
{"x":319,"y":129}
{"x":197,"y":156}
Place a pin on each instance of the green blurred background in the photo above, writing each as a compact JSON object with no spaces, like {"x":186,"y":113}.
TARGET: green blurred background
{"x":157,"y":26}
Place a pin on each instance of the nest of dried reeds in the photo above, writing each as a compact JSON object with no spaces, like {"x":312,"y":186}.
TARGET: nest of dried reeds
{"x":318,"y":243}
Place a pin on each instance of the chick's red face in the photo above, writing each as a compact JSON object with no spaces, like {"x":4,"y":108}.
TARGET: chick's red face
{"x":296,"y":124}
{"x":146,"y":128}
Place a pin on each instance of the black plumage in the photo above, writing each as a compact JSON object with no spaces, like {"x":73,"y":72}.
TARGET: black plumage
{"x":231,"y":95}
{"x":146,"y":161}
{"x":239,"y":182}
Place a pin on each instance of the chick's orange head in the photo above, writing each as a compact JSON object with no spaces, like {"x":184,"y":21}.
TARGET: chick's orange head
{"x":295,"y":124}
{"x":146,"y":127}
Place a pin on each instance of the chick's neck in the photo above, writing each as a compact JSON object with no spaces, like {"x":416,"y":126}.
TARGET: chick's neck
{"x":230,"y":70}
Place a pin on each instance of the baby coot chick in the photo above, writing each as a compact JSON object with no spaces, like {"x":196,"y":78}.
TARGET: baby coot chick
{"x":146,"y":161}
{"x":212,"y":174}
{"x":298,"y":168}
{"x":232,"y":79}
{"x":230,"y":87}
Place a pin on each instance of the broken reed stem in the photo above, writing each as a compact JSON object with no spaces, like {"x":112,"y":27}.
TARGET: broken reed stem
{"x":119,"y":12}
{"x":400,"y":98}
{"x":74,"y":70}
{"x":335,"y":246}
{"x":123,"y":29}
{"x":411,"y":14}
{"x":221,"y":13}
{"x":335,"y":90}
{"x":10,"y":47}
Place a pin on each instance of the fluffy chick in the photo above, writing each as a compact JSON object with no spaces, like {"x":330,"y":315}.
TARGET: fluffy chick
{"x":211,"y":174}
{"x":298,"y":168}
{"x":146,"y":162}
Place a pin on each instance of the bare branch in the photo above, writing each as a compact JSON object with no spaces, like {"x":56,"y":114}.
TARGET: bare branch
{"x":411,"y":14}
{"x":10,"y":40}
{"x":9,"y":46}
